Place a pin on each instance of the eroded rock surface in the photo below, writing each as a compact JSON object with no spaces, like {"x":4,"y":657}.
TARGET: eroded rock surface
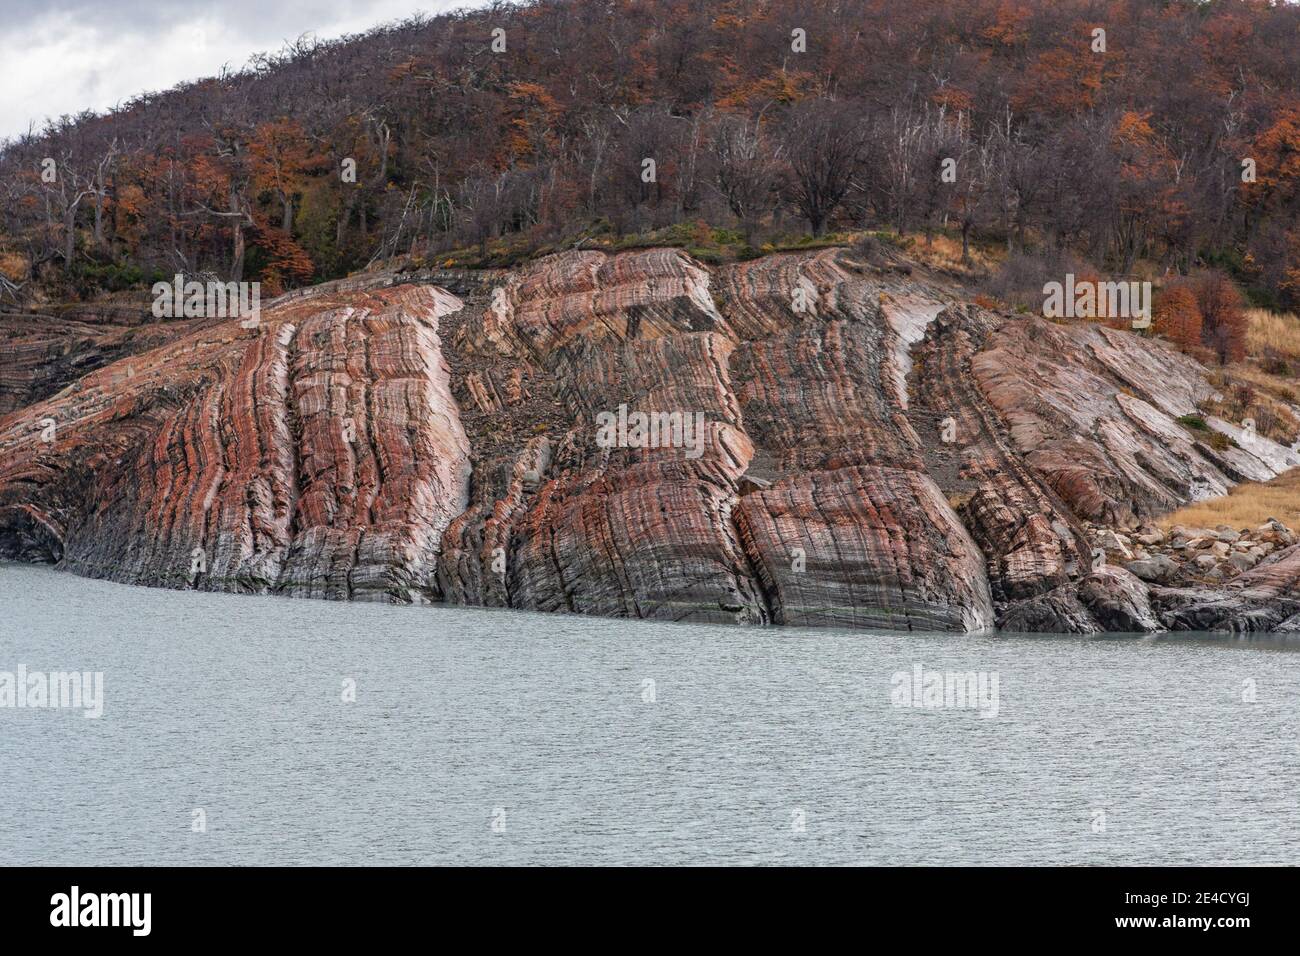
{"x":1266,"y":598}
{"x":319,"y":454}
{"x":1095,"y":411}
{"x":835,"y":445}
{"x":42,"y":354}
{"x":804,"y":500}
{"x":1033,"y":543}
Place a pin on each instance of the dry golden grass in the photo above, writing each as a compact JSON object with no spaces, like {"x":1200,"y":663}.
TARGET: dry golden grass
{"x":1246,"y":506}
{"x":13,"y":266}
{"x":1273,"y":333}
{"x":1280,"y":387}
{"x":944,"y":252}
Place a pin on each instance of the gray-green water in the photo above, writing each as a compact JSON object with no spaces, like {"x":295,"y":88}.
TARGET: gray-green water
{"x":501,"y":737}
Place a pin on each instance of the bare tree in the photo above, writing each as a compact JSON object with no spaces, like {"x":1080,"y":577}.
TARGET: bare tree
{"x":63,"y":198}
{"x":99,"y":184}
{"x":744,"y":171}
{"x":823,"y":142}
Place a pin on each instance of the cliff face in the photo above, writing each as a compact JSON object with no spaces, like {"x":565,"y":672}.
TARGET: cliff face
{"x":42,"y":354}
{"x":804,"y":500}
{"x":320,"y":454}
{"x":1096,"y":416}
{"x":829,"y":444}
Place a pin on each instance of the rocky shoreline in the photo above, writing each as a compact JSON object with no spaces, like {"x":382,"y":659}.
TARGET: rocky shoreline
{"x":875,"y":451}
{"x":1192,"y":556}
{"x":1220,"y":579}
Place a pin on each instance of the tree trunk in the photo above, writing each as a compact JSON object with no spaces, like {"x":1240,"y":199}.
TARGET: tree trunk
{"x":99,"y":221}
{"x":344,"y":218}
{"x":69,"y":238}
{"x":237,"y":264}
{"x":237,"y":252}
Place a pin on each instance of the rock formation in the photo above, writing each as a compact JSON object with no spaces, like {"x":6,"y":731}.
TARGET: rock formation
{"x":1264,"y":599}
{"x":42,"y":354}
{"x":1095,"y":411}
{"x":320,"y":454}
{"x":802,"y":439}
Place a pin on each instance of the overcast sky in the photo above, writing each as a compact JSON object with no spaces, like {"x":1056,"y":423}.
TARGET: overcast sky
{"x":63,"y":56}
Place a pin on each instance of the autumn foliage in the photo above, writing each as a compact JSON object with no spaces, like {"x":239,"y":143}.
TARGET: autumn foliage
{"x":1223,"y":316}
{"x":1177,"y":315}
{"x":1006,"y":121}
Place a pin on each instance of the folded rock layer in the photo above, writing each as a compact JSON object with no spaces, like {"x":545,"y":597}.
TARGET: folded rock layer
{"x":800,"y":439}
{"x":318,"y":454}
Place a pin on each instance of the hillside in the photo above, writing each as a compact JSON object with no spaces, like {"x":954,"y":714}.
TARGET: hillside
{"x":1136,"y":134}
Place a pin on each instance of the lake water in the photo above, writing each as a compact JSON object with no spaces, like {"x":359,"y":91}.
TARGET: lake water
{"x":496,"y":737}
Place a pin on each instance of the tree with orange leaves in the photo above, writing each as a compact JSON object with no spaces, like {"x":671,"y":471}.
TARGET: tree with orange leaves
{"x":532,"y":113}
{"x":281,"y":158}
{"x":1177,"y":315}
{"x":1066,"y":79}
{"x":287,"y":264}
{"x":1144,"y":187}
{"x":1223,"y":317}
{"x":1276,"y":152}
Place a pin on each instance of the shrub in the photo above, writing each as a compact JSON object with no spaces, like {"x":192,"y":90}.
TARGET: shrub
{"x":1020,"y":278}
{"x":1177,"y":316}
{"x":1223,"y":316}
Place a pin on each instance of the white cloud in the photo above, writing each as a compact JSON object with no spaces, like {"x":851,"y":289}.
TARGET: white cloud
{"x":66,"y":56}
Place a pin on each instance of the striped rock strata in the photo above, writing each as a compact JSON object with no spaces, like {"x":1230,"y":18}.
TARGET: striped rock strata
{"x":1098,"y":416}
{"x":42,"y":354}
{"x":844,"y":447}
{"x":319,"y":454}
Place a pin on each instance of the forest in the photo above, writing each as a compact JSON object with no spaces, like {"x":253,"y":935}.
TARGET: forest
{"x":1130,"y":134}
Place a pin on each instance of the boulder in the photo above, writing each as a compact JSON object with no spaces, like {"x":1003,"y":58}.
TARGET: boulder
{"x":1157,"y":568}
{"x":1118,"y":601}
